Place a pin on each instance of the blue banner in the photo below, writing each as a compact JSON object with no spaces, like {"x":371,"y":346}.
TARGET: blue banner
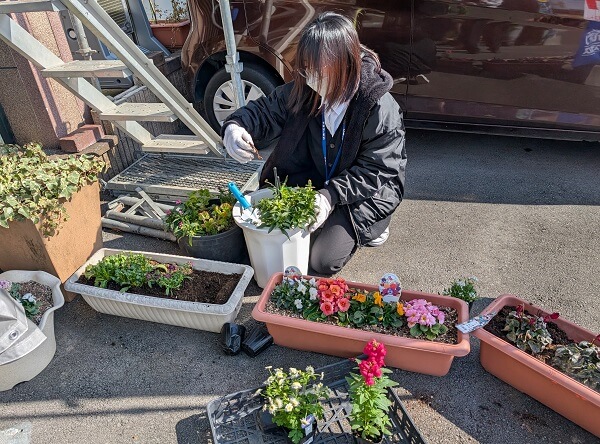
{"x":589,"y":48}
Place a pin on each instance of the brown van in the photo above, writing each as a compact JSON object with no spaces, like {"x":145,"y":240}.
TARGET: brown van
{"x":526,"y":67}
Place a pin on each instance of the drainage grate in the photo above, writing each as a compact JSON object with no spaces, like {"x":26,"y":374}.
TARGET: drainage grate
{"x":170,"y":177}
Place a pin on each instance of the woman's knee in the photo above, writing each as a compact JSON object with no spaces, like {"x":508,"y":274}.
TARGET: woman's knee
{"x":327,"y":260}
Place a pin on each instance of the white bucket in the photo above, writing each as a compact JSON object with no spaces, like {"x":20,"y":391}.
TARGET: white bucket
{"x":272,"y":252}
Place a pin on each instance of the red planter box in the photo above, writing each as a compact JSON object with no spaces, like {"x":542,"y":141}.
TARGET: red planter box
{"x":416,"y":355}
{"x":172,"y":35}
{"x":542,"y":382}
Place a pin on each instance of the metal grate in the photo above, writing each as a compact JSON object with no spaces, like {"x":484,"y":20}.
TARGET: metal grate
{"x":170,"y":177}
{"x":234,"y":418}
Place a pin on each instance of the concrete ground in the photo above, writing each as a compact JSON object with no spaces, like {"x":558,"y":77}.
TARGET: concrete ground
{"x":521,"y":215}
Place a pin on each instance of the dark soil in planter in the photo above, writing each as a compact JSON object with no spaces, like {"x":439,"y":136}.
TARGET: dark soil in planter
{"x":450,"y":337}
{"x":204,"y":286}
{"x":42,"y":294}
{"x":559,"y":337}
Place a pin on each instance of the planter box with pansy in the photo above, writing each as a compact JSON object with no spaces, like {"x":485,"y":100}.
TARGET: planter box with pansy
{"x":336,"y":317}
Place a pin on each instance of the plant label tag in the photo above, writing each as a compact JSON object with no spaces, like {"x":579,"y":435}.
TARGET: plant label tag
{"x":475,"y":323}
{"x":292,"y":272}
{"x":390,"y":288}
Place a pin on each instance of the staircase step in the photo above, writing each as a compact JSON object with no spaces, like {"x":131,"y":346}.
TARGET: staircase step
{"x":89,"y":68}
{"x":6,"y":7}
{"x":140,"y":112}
{"x":176,"y":144}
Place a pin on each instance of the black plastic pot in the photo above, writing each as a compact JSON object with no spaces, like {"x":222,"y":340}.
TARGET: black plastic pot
{"x":360,"y":440}
{"x":229,"y":246}
{"x":267,"y":425}
{"x":232,"y":336}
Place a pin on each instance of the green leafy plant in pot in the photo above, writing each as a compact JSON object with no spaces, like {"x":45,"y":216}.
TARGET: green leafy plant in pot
{"x":463,"y":288}
{"x":369,"y":417}
{"x":289,"y":208}
{"x":292,"y":402}
{"x":204,"y":226}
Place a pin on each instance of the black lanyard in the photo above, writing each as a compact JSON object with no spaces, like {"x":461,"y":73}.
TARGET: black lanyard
{"x":329,"y":173}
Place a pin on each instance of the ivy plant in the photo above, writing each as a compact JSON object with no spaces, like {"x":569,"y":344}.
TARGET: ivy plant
{"x":289,"y":208}
{"x":35,"y":187}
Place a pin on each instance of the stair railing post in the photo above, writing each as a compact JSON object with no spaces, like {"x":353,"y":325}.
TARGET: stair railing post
{"x":233,"y":64}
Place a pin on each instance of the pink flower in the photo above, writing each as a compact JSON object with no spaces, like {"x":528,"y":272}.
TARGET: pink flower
{"x":327,"y":296}
{"x":343,"y":304}
{"x":327,"y":308}
{"x":177,"y":202}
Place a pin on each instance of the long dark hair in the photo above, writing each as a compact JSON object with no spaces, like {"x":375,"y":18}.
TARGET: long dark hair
{"x":328,"y":43}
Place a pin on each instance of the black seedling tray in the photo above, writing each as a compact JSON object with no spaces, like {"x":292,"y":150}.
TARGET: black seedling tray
{"x":234,"y":419}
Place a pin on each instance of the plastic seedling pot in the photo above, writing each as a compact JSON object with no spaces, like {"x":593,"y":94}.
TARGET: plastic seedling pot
{"x":271,"y":252}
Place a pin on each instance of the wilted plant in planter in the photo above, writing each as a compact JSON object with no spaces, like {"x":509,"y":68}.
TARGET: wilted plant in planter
{"x":368,"y":395}
{"x":201,"y":215}
{"x":136,"y":270}
{"x":34,"y":187}
{"x":289,"y":208}
{"x":464,"y":289}
{"x":580,"y":361}
{"x":528,"y":332}
{"x":293,"y":400}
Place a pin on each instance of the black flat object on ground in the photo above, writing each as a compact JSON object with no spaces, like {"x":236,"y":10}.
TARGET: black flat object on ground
{"x":232,"y":336}
{"x":235,"y":418}
{"x":257,"y":341}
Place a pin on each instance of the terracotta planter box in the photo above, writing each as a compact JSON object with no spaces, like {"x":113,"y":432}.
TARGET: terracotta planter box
{"x":542,"y":382}
{"x":24,"y":247}
{"x":416,"y":355}
{"x":172,"y":35}
{"x":198,"y":315}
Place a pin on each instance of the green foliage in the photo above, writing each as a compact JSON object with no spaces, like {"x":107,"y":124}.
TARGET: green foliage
{"x":289,"y":208}
{"x":292,"y":397}
{"x":579,"y":361}
{"x":296,"y":295}
{"x":136,"y":270}
{"x":197,"y":217}
{"x":430,"y":332}
{"x":28,"y":301}
{"x":463,"y":288}
{"x":370,"y":405}
{"x":527,"y":332}
{"x":34,"y":187}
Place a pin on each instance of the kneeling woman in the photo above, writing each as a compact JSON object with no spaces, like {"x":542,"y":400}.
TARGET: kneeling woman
{"x":339,"y":127}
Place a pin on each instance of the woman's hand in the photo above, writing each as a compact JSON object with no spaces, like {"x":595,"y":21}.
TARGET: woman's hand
{"x":324,"y":209}
{"x":238,"y":143}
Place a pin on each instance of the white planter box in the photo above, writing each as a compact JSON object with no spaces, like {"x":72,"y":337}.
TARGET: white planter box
{"x":30,"y":365}
{"x":272,"y":252}
{"x":200,"y":316}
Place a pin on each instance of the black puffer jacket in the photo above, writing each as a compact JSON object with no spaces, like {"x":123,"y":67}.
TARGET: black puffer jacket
{"x":370,"y":178}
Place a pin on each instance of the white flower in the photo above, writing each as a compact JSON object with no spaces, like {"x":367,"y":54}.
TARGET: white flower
{"x":279,"y":373}
{"x":289,"y":407}
{"x":294,"y":402}
{"x":269,"y":367}
{"x":310,"y":370}
{"x":298,"y":304}
{"x":29,"y":297}
{"x":313,"y":293}
{"x":460,"y":283}
{"x":278,"y":403}
{"x":313,"y":282}
{"x":302,"y":288}
{"x":474,"y":279}
{"x":272,"y":409}
{"x":293,"y":372}
{"x":296,"y":386}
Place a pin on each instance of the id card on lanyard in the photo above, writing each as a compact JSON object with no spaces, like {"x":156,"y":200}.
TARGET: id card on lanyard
{"x":329,"y":172}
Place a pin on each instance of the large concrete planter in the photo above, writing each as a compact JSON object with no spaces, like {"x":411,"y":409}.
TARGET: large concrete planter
{"x":416,"y":355}
{"x":201,"y":316}
{"x":25,"y":248}
{"x":272,"y":252}
{"x":30,"y":365}
{"x":564,"y":395}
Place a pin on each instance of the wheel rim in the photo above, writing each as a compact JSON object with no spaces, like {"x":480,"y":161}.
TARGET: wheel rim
{"x":224,"y":103}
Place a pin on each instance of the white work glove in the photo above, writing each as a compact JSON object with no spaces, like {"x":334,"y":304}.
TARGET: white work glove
{"x":238,"y":143}
{"x":324,"y":209}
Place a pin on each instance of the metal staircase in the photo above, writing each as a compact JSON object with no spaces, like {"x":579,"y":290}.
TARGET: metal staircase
{"x":72,"y":75}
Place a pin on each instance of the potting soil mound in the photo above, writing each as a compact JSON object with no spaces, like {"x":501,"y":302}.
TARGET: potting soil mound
{"x":203,"y":286}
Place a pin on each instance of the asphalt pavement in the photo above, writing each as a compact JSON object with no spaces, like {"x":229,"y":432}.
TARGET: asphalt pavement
{"x":521,"y":215}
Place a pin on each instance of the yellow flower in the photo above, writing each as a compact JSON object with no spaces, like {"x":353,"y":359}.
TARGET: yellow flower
{"x":377,"y":299}
{"x":400,"y":309}
{"x":359,"y":297}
